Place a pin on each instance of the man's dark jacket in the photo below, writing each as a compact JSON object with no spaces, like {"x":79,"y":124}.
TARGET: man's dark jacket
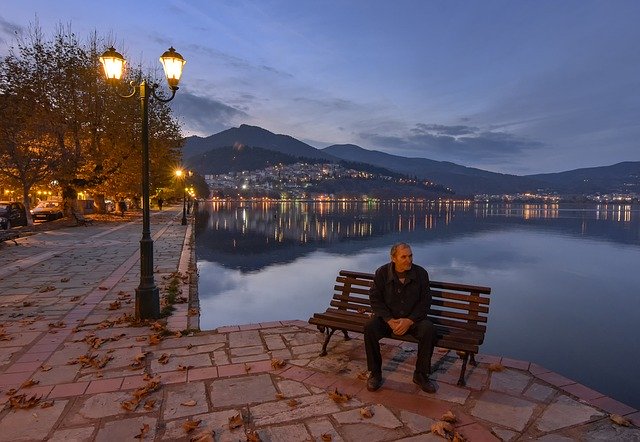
{"x":392,"y":299}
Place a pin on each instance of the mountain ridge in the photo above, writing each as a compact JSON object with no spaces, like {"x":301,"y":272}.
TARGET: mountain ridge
{"x":463,"y":180}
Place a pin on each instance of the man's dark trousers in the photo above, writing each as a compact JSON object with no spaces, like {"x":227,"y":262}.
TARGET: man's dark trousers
{"x":376,"y":328}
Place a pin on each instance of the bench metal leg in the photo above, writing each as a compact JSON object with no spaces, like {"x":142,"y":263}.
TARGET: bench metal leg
{"x":461,"y":380}
{"x":472,"y":361}
{"x":328,"y":335}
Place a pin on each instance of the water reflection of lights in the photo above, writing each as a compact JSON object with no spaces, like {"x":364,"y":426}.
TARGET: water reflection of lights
{"x":305,"y":221}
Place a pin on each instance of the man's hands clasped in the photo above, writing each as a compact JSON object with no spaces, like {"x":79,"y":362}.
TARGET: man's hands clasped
{"x":400,"y":326}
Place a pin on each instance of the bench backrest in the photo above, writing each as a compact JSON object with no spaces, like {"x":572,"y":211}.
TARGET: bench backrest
{"x":454,"y":307}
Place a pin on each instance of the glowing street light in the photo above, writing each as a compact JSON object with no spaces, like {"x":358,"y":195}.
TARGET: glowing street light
{"x":179,"y":174}
{"x":147,"y":294}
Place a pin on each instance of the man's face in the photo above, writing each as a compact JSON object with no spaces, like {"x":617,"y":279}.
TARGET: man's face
{"x":402,"y":259}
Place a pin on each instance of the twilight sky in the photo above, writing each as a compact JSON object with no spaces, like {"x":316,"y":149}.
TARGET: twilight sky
{"x":508,"y":86}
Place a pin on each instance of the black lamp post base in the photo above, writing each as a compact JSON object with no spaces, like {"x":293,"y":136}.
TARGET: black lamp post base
{"x":147,"y":303}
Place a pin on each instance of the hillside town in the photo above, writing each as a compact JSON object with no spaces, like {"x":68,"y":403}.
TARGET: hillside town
{"x":294,"y":180}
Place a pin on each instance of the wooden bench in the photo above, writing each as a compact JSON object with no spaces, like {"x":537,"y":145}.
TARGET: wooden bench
{"x":80,"y":219}
{"x":458,"y":311}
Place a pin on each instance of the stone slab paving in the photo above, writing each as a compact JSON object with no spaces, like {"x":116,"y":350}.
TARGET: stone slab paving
{"x":92,"y":374}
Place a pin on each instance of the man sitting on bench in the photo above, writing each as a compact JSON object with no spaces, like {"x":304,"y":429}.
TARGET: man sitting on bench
{"x":400,"y":299}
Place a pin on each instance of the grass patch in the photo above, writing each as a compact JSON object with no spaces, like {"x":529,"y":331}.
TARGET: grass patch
{"x":171,"y":295}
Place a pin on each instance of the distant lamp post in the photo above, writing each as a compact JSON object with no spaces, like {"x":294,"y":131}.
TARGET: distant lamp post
{"x":147,"y":294}
{"x":181,"y":174}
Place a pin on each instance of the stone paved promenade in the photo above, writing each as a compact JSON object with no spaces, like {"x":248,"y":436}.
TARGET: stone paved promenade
{"x":75,"y":367}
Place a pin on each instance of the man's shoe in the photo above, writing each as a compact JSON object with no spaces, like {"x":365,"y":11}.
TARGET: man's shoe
{"x":423,"y":381}
{"x":374,"y":382}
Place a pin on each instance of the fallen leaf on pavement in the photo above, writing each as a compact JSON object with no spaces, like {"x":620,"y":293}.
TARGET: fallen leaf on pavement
{"x":443,"y":429}
{"x":154,"y":339}
{"x":22,"y":401}
{"x":278,"y":363}
{"x":366,"y":412}
{"x":158,"y":326}
{"x":448,"y":417}
{"x":190,"y":403}
{"x":496,"y":367}
{"x":143,"y":430}
{"x":184,"y":367}
{"x":29,"y":383}
{"x":619,"y":420}
{"x":149,"y":387}
{"x":206,"y":436}
{"x":280,"y":396}
{"x":292,"y":403}
{"x":47,"y":404}
{"x":164,"y":358}
{"x":138,"y":360}
{"x":190,"y":425}
{"x":235,"y":422}
{"x":326,"y":437}
{"x":115,"y":305}
{"x":130,"y":405}
{"x":149,"y":404}
{"x":363,"y":375}
{"x":339,"y":397}
{"x":46,"y":367}
{"x":457,"y":437}
{"x":252,"y":436}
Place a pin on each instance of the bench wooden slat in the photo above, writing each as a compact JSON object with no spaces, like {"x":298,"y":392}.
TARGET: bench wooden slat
{"x":433,"y":284}
{"x":352,"y":289}
{"x":354,"y":317}
{"x":446,"y":338}
{"x":459,"y":306}
{"x":455,"y":315}
{"x":355,"y":302}
{"x":460,"y":297}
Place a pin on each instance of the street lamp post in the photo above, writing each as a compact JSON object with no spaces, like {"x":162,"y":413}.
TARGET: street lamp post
{"x":179,"y":174}
{"x":147,"y":294}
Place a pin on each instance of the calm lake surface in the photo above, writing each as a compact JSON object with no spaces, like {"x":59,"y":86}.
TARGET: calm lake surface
{"x":565,"y":278}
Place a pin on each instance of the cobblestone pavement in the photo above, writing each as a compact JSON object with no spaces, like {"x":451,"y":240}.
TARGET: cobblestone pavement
{"x":74,"y":365}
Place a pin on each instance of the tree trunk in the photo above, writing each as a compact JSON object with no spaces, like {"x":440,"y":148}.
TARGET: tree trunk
{"x":26,"y":200}
{"x":98,"y":202}
{"x":70,"y":200}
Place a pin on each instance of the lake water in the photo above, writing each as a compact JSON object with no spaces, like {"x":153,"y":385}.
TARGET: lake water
{"x":565,"y":278}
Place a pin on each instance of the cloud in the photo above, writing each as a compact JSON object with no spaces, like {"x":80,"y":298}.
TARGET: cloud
{"x":203,"y":115}
{"x":327,"y":104}
{"x":467,"y":144}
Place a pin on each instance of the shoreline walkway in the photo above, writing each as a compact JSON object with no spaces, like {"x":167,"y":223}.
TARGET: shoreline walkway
{"x":75,"y":366}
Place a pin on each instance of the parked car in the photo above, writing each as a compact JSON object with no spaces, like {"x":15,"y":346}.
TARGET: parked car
{"x":47,"y":211}
{"x":12,"y":214}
